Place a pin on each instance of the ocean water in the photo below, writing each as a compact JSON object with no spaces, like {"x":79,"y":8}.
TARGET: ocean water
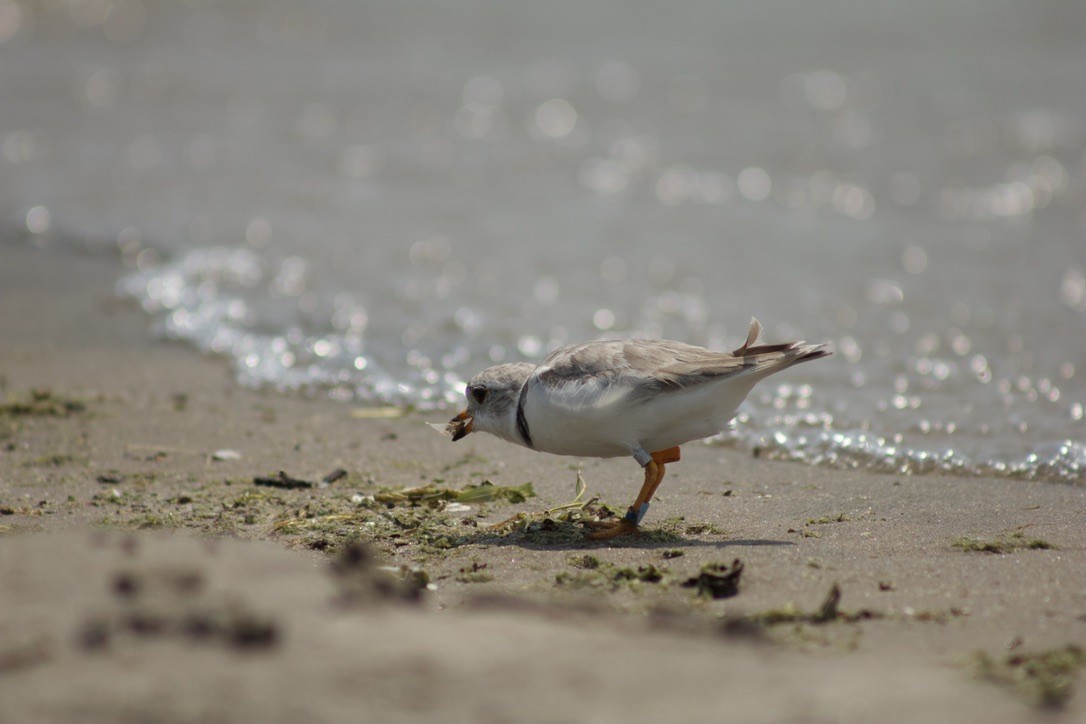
{"x":375,"y":200}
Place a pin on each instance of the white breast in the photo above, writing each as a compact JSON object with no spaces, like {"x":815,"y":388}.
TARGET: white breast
{"x":597,"y":421}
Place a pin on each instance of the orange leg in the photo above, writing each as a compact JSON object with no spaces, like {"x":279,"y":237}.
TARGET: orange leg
{"x":671,"y":455}
{"x":654,"y":473}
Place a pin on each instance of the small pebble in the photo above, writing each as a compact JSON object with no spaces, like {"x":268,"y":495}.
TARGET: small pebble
{"x":226,"y":455}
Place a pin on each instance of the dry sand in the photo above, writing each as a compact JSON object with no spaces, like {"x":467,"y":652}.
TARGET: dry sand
{"x":143,"y":580}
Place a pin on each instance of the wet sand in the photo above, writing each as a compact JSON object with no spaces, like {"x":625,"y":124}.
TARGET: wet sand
{"x":145,"y":578}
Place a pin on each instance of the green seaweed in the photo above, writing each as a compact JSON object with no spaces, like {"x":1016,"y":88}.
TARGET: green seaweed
{"x":826,"y":519}
{"x":702,"y":528}
{"x":54,"y":460}
{"x":483,"y":492}
{"x":1045,"y":677}
{"x":590,"y":572}
{"x":1003,"y":543}
{"x":477,"y":573}
{"x":717,"y":580}
{"x":827,"y":612}
{"x":153,"y":520}
{"x":486,"y":492}
{"x":43,"y":403}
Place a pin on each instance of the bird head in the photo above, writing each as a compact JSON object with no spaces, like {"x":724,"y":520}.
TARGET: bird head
{"x":492,"y":402}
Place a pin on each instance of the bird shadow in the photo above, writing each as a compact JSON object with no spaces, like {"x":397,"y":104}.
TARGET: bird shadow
{"x":573,"y":538}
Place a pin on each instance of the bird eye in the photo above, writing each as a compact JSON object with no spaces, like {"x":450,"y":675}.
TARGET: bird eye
{"x":479,"y":393}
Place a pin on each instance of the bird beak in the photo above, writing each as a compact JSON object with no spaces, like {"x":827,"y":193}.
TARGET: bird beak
{"x":460,"y":425}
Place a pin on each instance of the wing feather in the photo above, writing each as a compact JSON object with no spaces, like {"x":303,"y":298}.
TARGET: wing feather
{"x":642,"y":369}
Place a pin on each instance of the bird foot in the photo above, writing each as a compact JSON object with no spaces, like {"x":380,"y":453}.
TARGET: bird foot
{"x":608,"y":529}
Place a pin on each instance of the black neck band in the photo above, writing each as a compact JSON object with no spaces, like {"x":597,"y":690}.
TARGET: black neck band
{"x":522,"y":421}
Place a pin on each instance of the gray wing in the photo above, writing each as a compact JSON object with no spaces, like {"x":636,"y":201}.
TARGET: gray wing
{"x":644,"y":367}
{"x":649,"y":367}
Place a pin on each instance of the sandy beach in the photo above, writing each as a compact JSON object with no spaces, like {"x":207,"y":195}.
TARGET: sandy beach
{"x":157,"y":566}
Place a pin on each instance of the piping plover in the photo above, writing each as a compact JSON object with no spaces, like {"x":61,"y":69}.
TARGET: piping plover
{"x":611,"y":398}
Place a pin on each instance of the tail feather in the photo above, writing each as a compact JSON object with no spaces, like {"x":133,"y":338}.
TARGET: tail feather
{"x":782,"y":356}
{"x":764,"y":348}
{"x":806,"y":351}
{"x":817,"y":351}
{"x":754,"y":363}
{"x":753,"y":333}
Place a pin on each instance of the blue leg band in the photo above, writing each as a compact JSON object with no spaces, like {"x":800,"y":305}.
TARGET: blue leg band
{"x":635,"y":516}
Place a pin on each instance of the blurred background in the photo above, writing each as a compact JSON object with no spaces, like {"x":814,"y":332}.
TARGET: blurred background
{"x":375,"y":200}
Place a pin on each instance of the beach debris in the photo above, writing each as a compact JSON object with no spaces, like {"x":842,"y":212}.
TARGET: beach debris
{"x":477,"y":573}
{"x":575,"y":511}
{"x":483,"y":492}
{"x":717,"y":580}
{"x":362,"y":580}
{"x":826,"y":519}
{"x":43,"y":402}
{"x":828,"y":610}
{"x":933,"y":615}
{"x":20,"y":652}
{"x":156,"y":453}
{"x":422,"y":516}
{"x":337,"y":474}
{"x":455,"y":428}
{"x":289,"y":482}
{"x":415,"y":578}
{"x":55,"y":460}
{"x":413,"y":496}
{"x":226,"y":455}
{"x":176,"y":603}
{"x":591,"y":572}
{"x":1044,"y":677}
{"x":282,"y":480}
{"x":562,"y":524}
{"x":445,"y":428}
{"x":1003,"y":543}
{"x":702,"y":528}
{"x":487,"y":491}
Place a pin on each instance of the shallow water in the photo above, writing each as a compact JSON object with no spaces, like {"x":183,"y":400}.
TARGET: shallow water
{"x":379,"y":200}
